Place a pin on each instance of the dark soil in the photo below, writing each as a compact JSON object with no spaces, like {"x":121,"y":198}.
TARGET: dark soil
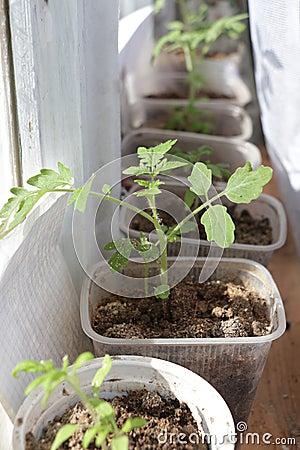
{"x":248,"y":230}
{"x":204,"y":95}
{"x":210,"y":309}
{"x":164,"y":416}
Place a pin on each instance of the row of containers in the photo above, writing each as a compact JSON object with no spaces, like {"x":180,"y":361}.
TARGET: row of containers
{"x":232,"y":365}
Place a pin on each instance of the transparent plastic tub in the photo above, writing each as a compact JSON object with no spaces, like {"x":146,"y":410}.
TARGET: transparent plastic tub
{"x":224,"y":150}
{"x":266,"y":206}
{"x":131,"y":373}
{"x":232,"y":365}
{"x":218,"y":88}
{"x":228,"y":121}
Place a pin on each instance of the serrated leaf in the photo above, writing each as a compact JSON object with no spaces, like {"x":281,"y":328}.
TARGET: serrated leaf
{"x":65,"y":173}
{"x":132,"y":423}
{"x":49,"y":179}
{"x":102,"y":373}
{"x":119,"y":443}
{"x":80,"y":195}
{"x":246,"y":185}
{"x":219,"y":226}
{"x":160,"y":149}
{"x":117,"y":261}
{"x":143,"y":183}
{"x":171,"y":165}
{"x":133,"y":170}
{"x":148,"y":192}
{"x":64,"y":434}
{"x":82,"y":359}
{"x":28,"y":366}
{"x":200,"y":179}
{"x":162,"y":291}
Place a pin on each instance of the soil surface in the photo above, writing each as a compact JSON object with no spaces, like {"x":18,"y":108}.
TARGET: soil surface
{"x":193,"y":310}
{"x":164,"y":417}
{"x":248,"y":230}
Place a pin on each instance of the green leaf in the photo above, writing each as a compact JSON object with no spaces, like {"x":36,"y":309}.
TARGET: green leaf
{"x":200,"y":179}
{"x":64,"y":434}
{"x":119,"y":443}
{"x":159,"y":149}
{"x":246,"y":185}
{"x":82,"y":359}
{"x":219,"y":226}
{"x":133,"y":170}
{"x":80,"y":195}
{"x":12,"y":203}
{"x":132,"y":423}
{"x":102,"y":373}
{"x":189,"y":198}
{"x":35,"y":383}
{"x":123,"y":249}
{"x":29,"y":366}
{"x":89,"y":436}
{"x":110,"y":246}
{"x":106,"y":189}
{"x":105,"y":411}
{"x":117,"y":261}
{"x":171,"y":165}
{"x":101,"y":436}
{"x":49,"y":179}
{"x":148,"y":192}
{"x":162,"y":291}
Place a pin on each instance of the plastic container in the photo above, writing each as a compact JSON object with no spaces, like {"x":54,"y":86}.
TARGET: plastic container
{"x":266,"y":206}
{"x":232,"y":365}
{"x":226,"y":120}
{"x":230,"y":151}
{"x":130,"y":373}
{"x":226,"y":60}
{"x":221,"y":88}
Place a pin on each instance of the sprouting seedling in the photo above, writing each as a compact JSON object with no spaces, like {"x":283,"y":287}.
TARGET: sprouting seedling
{"x":243,"y":186}
{"x":104,"y":424}
{"x":194,"y":35}
{"x":219,"y":170}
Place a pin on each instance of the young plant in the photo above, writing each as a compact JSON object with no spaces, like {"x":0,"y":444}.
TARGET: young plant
{"x":219,"y":170}
{"x":194,"y":35}
{"x":104,"y":424}
{"x":243,"y":186}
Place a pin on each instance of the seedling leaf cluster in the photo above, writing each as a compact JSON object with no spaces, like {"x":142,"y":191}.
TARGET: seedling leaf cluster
{"x":104,"y":424}
{"x":194,"y":35}
{"x":243,"y":186}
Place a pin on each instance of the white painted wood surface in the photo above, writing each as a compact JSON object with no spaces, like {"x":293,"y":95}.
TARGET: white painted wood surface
{"x":65,"y":56}
{"x":9,"y":167}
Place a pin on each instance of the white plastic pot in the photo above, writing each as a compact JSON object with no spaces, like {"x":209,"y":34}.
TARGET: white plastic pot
{"x":227,"y":121}
{"x":224,"y":150}
{"x":131,"y":373}
{"x":232,"y":365}
{"x":225,"y":88}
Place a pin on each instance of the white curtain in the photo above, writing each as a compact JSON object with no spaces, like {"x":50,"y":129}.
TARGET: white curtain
{"x":275,"y":35}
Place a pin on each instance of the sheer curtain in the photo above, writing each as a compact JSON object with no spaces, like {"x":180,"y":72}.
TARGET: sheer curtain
{"x":275,"y":35}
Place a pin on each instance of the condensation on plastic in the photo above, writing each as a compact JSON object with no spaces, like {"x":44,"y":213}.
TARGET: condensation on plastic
{"x":232,"y":365}
{"x":266,"y":206}
{"x":224,"y":150}
{"x":227,"y":120}
{"x":131,"y":373}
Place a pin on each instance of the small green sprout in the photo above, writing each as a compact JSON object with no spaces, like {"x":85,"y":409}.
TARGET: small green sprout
{"x":104,"y":425}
